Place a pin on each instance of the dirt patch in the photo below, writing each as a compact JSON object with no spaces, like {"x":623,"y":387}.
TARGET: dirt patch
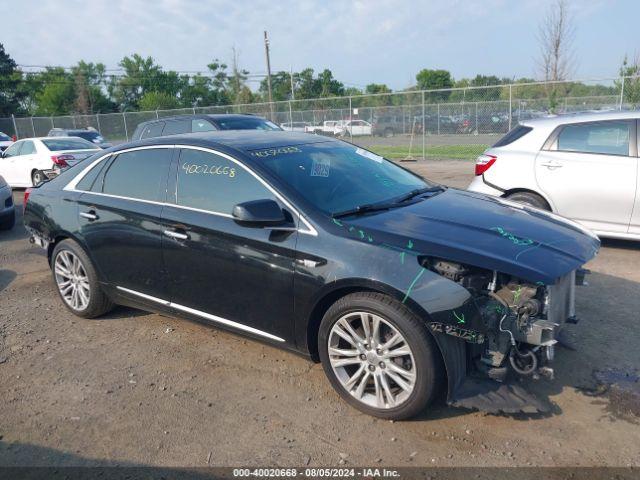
{"x":621,"y":388}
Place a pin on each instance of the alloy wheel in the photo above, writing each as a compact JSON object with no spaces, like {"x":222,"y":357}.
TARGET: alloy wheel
{"x":372,"y":360}
{"x":72,"y":280}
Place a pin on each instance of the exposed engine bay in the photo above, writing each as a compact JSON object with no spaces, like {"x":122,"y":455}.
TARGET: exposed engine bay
{"x":519,"y":321}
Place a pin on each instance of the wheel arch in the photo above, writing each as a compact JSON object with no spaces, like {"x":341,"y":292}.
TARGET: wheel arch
{"x":528,"y":190}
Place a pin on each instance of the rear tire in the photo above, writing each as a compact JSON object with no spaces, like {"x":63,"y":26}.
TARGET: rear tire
{"x":391,"y":380}
{"x":36,"y":178}
{"x":529,"y":198}
{"x":73,"y":272}
{"x":9,"y":222}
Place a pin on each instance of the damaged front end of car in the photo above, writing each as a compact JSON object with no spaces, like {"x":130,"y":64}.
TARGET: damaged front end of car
{"x":511,"y":328}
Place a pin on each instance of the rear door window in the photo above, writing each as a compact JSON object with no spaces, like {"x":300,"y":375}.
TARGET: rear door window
{"x":609,"y":138}
{"x":139,"y":174}
{"x":153,"y":130}
{"x":176,"y":127}
{"x":210,"y":182}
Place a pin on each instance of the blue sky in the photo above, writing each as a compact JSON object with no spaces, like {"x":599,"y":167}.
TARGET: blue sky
{"x":383,"y":41}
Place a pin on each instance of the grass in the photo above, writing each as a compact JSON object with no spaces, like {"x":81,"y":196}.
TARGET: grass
{"x":456,"y":152}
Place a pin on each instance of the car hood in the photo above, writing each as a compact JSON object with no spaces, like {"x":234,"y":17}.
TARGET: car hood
{"x":485,"y":232}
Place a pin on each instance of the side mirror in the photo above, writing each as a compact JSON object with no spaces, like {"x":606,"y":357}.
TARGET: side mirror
{"x":259,"y":213}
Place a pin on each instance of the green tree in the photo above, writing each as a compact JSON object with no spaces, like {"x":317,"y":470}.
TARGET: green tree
{"x":631,"y":92}
{"x":280,"y":87}
{"x":435,"y":79}
{"x":90,"y":81}
{"x":158,"y":101}
{"x":54,"y":92}
{"x":141,"y":75}
{"x":12,"y":91}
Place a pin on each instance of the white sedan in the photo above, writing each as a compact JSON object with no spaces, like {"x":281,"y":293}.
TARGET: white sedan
{"x":581,"y":166}
{"x":353,"y":128}
{"x":22,"y":163}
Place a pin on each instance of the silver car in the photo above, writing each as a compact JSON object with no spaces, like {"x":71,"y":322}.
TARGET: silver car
{"x":7,"y":209}
{"x":581,"y":166}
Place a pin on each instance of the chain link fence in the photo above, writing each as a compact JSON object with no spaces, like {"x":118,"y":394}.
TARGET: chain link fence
{"x":450,"y":123}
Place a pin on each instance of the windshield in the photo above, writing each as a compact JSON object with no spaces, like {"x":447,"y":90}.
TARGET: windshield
{"x":68,"y":144}
{"x":338,"y":177}
{"x":245,"y":124}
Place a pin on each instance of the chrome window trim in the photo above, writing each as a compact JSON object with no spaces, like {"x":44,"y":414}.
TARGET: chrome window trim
{"x":71,"y":186}
{"x":208,"y":316}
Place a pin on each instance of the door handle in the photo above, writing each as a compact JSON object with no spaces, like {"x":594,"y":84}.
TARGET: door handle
{"x":176,"y":235}
{"x":551,"y":164}
{"x":90,"y":215}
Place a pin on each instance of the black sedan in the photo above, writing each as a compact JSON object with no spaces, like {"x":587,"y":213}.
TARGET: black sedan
{"x":400,"y":287}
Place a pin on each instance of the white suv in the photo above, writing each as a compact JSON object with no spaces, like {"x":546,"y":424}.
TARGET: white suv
{"x":583,"y":166}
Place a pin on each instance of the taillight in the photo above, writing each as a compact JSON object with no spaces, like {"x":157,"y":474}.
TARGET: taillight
{"x":483,"y":162}
{"x":61,"y":160}
{"x":26,"y":198}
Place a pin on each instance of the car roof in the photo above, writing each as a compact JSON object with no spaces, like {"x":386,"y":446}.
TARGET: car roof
{"x":83,"y":130}
{"x":50,"y":138}
{"x":243,"y":140}
{"x":561,"y":119}
{"x":212,"y":116}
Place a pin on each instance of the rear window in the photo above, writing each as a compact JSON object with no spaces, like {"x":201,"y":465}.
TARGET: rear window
{"x":153,"y":130}
{"x":4,"y":137}
{"x":513,"y":135}
{"x":90,"y":136}
{"x":68,"y":144}
{"x":245,"y":124}
{"x":177,"y":127}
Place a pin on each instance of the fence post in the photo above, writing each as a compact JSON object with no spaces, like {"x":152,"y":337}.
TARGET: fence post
{"x":124,"y":119}
{"x":424,"y":130}
{"x":622,"y":93}
{"x":510,"y":106}
{"x":438,"y":118}
{"x":33,"y":127}
{"x":477,"y":129}
{"x":98,"y":123}
{"x":52,"y":124}
{"x":194,"y":110}
{"x":15,"y":127}
{"x":157,"y":117}
{"x":73,"y":119}
{"x":350,"y":119}
{"x":290,"y":116}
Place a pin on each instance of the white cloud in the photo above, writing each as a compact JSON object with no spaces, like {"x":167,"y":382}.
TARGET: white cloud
{"x":361,"y":41}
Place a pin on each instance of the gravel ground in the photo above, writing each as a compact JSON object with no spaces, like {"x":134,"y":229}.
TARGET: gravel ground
{"x":134,"y":388}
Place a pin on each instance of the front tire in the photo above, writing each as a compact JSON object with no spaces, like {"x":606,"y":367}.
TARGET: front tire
{"x":77,"y":282}
{"x":379,"y":356}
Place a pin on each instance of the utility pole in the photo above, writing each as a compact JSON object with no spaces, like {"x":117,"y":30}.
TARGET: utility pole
{"x":266,"y":51}
{"x":293,"y":95}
